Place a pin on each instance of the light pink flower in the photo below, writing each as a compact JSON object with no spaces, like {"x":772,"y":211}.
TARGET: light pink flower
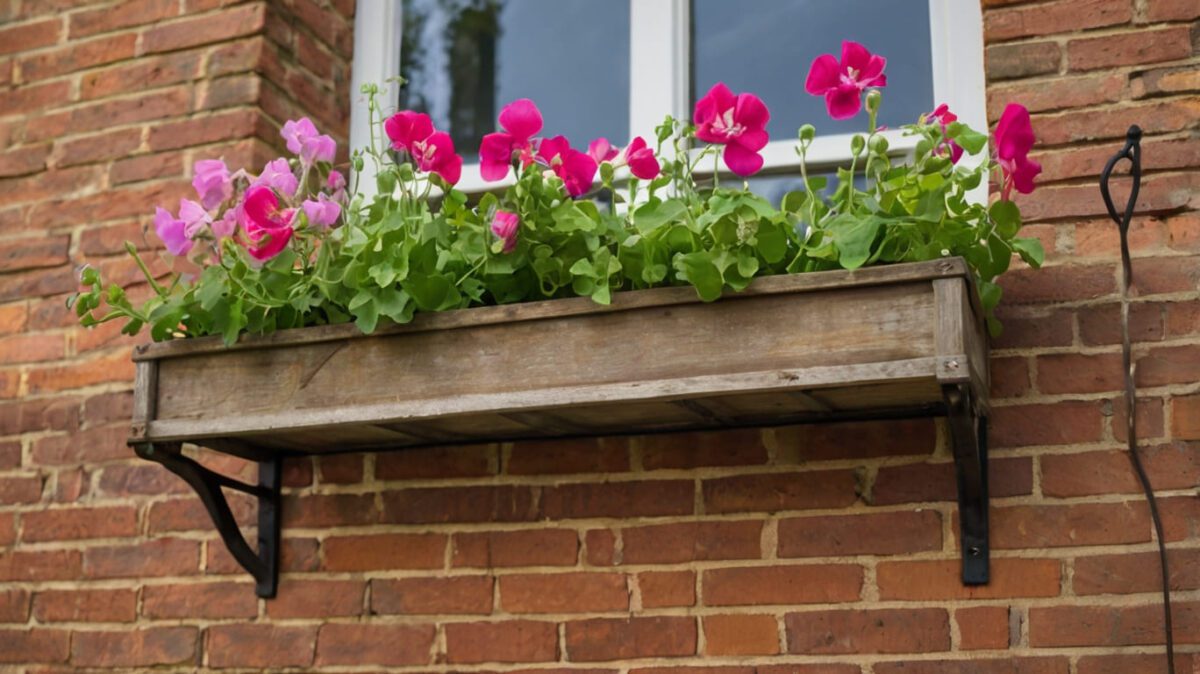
{"x":520,"y":120}
{"x":304,"y":140}
{"x":737,"y":122}
{"x":576,"y":169}
{"x":267,"y":227}
{"x":212,"y":182}
{"x":601,"y":150}
{"x":1014,"y":140}
{"x":322,"y":211}
{"x":505,"y":226}
{"x":641,"y":160}
{"x":227,"y":225}
{"x":336,"y":183}
{"x":278,"y":175}
{"x":942,"y":115}
{"x":842,"y":83}
{"x":171,"y":230}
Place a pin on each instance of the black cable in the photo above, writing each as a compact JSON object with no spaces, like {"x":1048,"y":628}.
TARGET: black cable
{"x":1133,"y":152}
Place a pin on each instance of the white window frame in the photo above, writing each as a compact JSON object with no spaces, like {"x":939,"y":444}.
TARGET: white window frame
{"x":659,"y":79}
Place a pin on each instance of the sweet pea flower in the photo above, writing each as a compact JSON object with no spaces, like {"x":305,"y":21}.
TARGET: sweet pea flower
{"x":406,"y":127}
{"x":336,"y":183}
{"x":505,"y":226}
{"x":278,"y":175}
{"x":601,"y":150}
{"x":576,"y":169}
{"x":942,"y":115}
{"x":641,"y":160}
{"x":520,"y":120}
{"x":177,"y":232}
{"x":737,"y":122}
{"x":842,"y":83}
{"x":1014,"y":140}
{"x":304,"y":140}
{"x":212,"y":182}
{"x":227,"y":225}
{"x":268,"y":228}
{"x":432,"y":151}
{"x":322,"y":212}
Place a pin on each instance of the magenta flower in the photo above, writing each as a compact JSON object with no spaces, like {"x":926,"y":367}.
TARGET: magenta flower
{"x":268,"y":228}
{"x":520,"y":120}
{"x":432,"y":151}
{"x":601,"y":150}
{"x":942,"y":115}
{"x":737,"y":122}
{"x":576,"y":169}
{"x":505,"y":226}
{"x":406,"y":127}
{"x":304,"y":140}
{"x":1014,"y":140}
{"x":277,"y":175}
{"x":641,"y":160}
{"x":842,"y":83}
{"x":322,"y":212}
{"x":212,"y":182}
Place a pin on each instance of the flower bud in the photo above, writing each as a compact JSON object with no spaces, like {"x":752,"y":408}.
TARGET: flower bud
{"x":807,"y":133}
{"x":879,"y":145}
{"x":874,"y":98}
{"x":857,"y":143}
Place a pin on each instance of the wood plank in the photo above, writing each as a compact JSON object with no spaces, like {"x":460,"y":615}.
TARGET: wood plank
{"x":145,"y":395}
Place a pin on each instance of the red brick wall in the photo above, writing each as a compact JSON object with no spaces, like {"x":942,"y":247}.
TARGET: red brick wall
{"x":820,"y":550}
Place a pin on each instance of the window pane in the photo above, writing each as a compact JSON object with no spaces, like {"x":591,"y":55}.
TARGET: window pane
{"x":766,"y":49}
{"x":465,"y":59}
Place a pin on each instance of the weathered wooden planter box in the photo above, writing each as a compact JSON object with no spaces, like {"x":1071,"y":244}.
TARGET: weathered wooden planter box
{"x":885,"y":341}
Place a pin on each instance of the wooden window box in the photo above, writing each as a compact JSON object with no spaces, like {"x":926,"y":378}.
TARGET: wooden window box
{"x":888,"y":341}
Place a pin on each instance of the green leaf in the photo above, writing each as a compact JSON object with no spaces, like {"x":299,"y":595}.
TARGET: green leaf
{"x":1007,"y":217}
{"x":655,"y":214}
{"x":853,"y":237}
{"x":701,"y":272}
{"x":569,"y":218}
{"x":989,"y":295}
{"x":1030,"y":251}
{"x":971,"y":140}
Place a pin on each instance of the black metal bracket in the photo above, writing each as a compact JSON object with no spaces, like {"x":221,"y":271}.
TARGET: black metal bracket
{"x":968,"y":434}
{"x":263,"y":564}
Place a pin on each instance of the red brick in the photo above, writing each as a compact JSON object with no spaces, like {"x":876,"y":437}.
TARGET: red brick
{"x":340,"y":469}
{"x":1135,"y":663}
{"x":65,"y":524}
{"x":1010,"y":61}
{"x":123,"y":15}
{"x":1182,"y":318}
{"x":532,"y":547}
{"x":661,"y":589}
{"x":1131,"y":572}
{"x":384,"y":551}
{"x":13,"y":317}
{"x":856,"y":440}
{"x":309,"y":598}
{"x":158,"y":557}
{"x":191,"y":32}
{"x":607,"y":639}
{"x":1101,"y":325}
{"x":579,"y":455}
{"x":241,"y":645}
{"x":23,"y":160}
{"x":1180,"y":517}
{"x":20,"y":489}
{"x":14,"y":606}
{"x":90,"y":606}
{"x":692,"y":541}
{"x":740,"y":635}
{"x":601,"y":546}
{"x":1065,"y":16}
{"x":140,"y":75}
{"x":1064,"y":423}
{"x":1052,"y":526}
{"x":143,"y":478}
{"x":865,"y":534}
{"x":647,"y":498}
{"x":435,"y":463}
{"x":1168,"y":80}
{"x":1009,"y":665}
{"x":1169,"y":365}
{"x":781,"y":491}
{"x":806,"y":584}
{"x":34,"y":645}
{"x":1100,"y":237}
{"x":365,"y":644}
{"x":738,"y":447}
{"x":1009,"y":377}
{"x":77,"y":56}
{"x":485,"y":503}
{"x":982,"y":628}
{"x":932,"y":482}
{"x":564,"y":593}
{"x":98,"y":148}
{"x":1156,"y":116}
{"x":908,"y":630}
{"x":1060,"y":626}
{"x":143,"y":647}
{"x":16,"y":349}
{"x":114,"y":367}
{"x":219,"y":126}
{"x":1067,"y":92}
{"x":1173,"y":466}
{"x":191,"y":601}
{"x":1132,"y":48}
{"x":297,"y":554}
{"x":27,"y":565}
{"x":942,"y":579}
{"x":506,"y":641}
{"x":1034,"y":327}
{"x":1185,"y":417}
{"x":321,"y":511}
{"x":1166,"y":275}
{"x":47,"y":414}
{"x":25,"y":37}
{"x":1183,"y":231}
{"x":461,"y":595}
{"x":1079,"y":373}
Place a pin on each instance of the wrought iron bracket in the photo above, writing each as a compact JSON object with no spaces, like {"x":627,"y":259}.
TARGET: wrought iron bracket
{"x":208,"y":485}
{"x":968,"y":434}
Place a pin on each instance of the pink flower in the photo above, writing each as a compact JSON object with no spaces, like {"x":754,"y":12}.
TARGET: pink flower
{"x":576,"y":169}
{"x":336,"y":183}
{"x":520,"y":120}
{"x":942,"y":115}
{"x":227,"y":225}
{"x":842,"y":83}
{"x":737,"y":122}
{"x":212,"y":182}
{"x":406,"y":127}
{"x":641,"y":160}
{"x":505,"y":226}
{"x":322,"y":212}
{"x":277,"y":175}
{"x":1014,"y":140}
{"x":303,"y":140}
{"x":432,"y":151}
{"x":601,"y":150}
{"x":267,"y":227}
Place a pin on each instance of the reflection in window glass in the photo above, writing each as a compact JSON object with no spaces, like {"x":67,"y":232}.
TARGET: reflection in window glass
{"x":766,"y":49}
{"x":465,"y":59}
{"x":774,"y":188}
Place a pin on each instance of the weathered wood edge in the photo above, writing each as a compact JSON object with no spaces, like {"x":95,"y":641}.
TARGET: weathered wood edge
{"x":576,"y":306}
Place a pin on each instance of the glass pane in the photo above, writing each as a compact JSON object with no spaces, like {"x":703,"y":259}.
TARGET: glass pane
{"x":774,"y":188}
{"x":766,"y":49}
{"x":465,"y":59}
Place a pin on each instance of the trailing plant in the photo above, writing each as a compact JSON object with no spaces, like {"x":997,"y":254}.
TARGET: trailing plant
{"x":296,"y":246}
